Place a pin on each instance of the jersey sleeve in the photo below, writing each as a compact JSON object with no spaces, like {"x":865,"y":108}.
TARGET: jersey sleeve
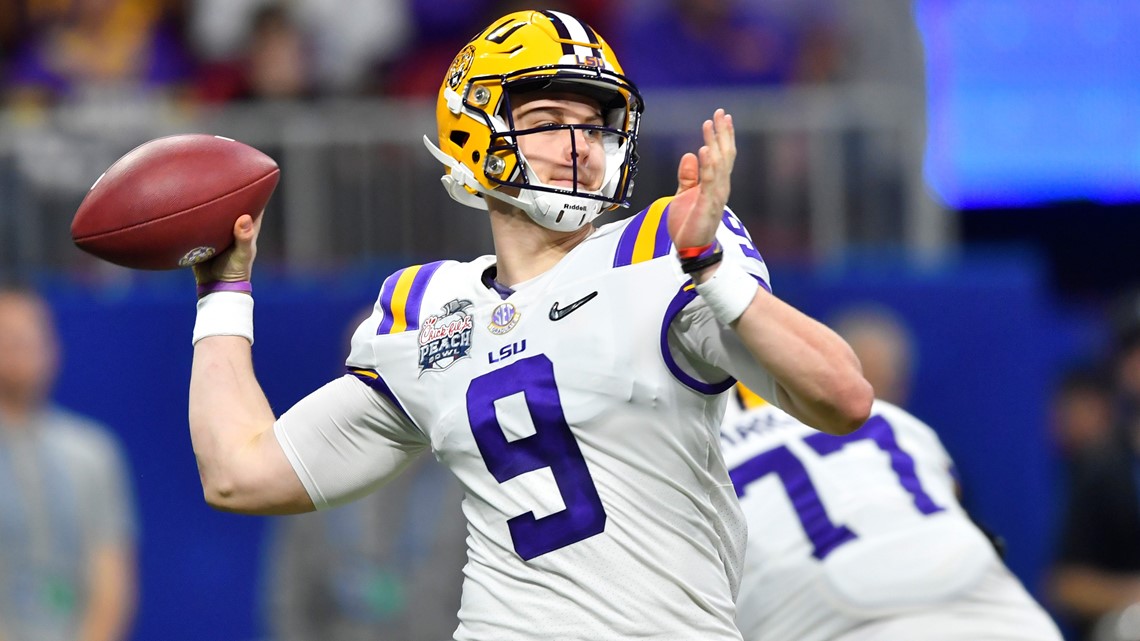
{"x":703,"y":353}
{"x":345,"y":440}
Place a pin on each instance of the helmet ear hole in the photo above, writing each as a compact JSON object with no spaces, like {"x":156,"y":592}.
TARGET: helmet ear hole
{"x":459,"y":138}
{"x":475,"y":156}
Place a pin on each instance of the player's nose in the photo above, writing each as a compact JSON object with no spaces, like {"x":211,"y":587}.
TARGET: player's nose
{"x":578,"y":143}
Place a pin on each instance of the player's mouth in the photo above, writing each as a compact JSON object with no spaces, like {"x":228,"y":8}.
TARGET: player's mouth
{"x":569,"y":184}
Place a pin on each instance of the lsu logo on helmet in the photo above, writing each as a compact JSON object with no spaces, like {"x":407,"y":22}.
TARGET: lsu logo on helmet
{"x":460,"y":66}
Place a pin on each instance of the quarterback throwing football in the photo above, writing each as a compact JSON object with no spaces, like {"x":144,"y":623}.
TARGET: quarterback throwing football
{"x":573,"y":382}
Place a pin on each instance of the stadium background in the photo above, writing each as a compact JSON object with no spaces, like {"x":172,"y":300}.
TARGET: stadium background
{"x":1005,"y":273}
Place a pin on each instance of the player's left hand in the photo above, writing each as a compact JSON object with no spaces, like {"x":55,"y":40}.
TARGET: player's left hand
{"x":703,"y":184}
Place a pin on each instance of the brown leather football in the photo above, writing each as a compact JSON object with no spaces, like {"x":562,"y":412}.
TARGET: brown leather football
{"x":172,"y":202}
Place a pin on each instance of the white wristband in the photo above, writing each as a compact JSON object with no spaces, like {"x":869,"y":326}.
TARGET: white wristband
{"x":224,"y":314}
{"x":729,"y":292}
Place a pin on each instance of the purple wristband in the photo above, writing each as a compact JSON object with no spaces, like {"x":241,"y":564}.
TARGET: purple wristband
{"x":242,"y":286}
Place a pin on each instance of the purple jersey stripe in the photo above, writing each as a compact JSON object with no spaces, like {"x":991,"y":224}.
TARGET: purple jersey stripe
{"x":628,"y":241}
{"x":662,"y":243}
{"x":416,"y":295}
{"x":684,"y":297}
{"x":386,"y":292}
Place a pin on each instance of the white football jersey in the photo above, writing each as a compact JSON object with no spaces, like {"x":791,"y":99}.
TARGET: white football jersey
{"x":848,"y":530}
{"x":581,"y":413}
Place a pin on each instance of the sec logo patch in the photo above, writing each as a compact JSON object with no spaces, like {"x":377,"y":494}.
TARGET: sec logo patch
{"x":504,"y":319}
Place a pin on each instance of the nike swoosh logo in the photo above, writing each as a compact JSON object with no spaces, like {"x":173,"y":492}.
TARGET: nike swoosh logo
{"x":558,"y":313}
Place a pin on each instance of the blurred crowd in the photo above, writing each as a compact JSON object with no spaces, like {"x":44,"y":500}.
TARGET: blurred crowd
{"x":216,"y":51}
{"x":83,"y":81}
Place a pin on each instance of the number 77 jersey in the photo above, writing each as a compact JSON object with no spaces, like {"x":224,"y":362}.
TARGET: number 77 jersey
{"x":863,"y":535}
{"x":581,"y":413}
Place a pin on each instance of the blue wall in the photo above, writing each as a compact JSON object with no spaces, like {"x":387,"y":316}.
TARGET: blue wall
{"x":989,"y":335}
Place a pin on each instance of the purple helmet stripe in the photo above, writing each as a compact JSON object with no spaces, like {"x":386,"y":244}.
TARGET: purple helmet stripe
{"x":563,"y":32}
{"x":416,"y":295}
{"x":591,"y":35}
{"x":683,"y":298}
{"x":575,"y":30}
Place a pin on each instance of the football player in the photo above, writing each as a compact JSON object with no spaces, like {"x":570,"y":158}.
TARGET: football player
{"x":573,"y":382}
{"x":861,"y":537}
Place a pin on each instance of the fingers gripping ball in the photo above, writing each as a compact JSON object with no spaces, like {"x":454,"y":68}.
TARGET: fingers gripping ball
{"x":172,"y":202}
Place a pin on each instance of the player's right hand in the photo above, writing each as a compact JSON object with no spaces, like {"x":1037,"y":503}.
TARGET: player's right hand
{"x":236,"y":263}
{"x":704,"y":181}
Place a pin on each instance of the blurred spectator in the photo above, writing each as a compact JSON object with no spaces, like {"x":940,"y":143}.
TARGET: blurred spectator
{"x":1096,"y":576}
{"x":274,"y":64}
{"x":346,"y":42}
{"x":885,"y":348}
{"x":11,"y":23}
{"x":102,"y":50}
{"x":386,"y":567}
{"x":67,"y":527}
{"x":1081,"y":416}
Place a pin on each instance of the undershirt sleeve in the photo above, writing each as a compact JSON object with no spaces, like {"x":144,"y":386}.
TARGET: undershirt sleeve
{"x":345,"y":439}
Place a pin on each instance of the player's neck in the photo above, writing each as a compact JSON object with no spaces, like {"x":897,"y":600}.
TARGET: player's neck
{"x":526,"y":250}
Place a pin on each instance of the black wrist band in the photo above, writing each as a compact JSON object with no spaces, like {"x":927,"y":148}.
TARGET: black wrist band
{"x":697,"y":264}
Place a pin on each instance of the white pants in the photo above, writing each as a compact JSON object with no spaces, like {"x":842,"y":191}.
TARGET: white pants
{"x":997,"y":609}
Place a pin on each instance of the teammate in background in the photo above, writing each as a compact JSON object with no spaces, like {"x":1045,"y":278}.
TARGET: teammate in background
{"x":67,"y":523}
{"x":861,"y":537}
{"x":573,"y":382}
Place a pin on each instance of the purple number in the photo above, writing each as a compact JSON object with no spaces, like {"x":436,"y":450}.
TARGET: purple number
{"x":824,"y":535}
{"x":551,"y":446}
{"x":879,"y":431}
{"x":735,"y":226}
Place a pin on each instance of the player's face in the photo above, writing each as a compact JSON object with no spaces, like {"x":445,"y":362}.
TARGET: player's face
{"x":551,"y":154}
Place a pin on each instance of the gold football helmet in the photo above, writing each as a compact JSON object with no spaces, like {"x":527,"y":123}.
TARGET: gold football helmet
{"x":478,"y":142}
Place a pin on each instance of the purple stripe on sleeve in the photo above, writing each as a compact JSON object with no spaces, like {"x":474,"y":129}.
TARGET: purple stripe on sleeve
{"x":416,"y":294}
{"x":662,"y":242}
{"x":379,"y":385}
{"x":684,"y":297}
{"x":763,"y":283}
{"x":386,"y":291}
{"x":628,"y":241}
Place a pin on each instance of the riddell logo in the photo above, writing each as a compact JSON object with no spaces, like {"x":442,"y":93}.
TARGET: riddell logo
{"x":573,"y":207}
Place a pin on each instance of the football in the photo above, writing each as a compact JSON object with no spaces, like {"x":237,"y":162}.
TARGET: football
{"x":172,"y":202}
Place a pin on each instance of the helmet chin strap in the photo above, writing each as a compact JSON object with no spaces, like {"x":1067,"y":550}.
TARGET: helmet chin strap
{"x":554,"y":211}
{"x":456,"y":181}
